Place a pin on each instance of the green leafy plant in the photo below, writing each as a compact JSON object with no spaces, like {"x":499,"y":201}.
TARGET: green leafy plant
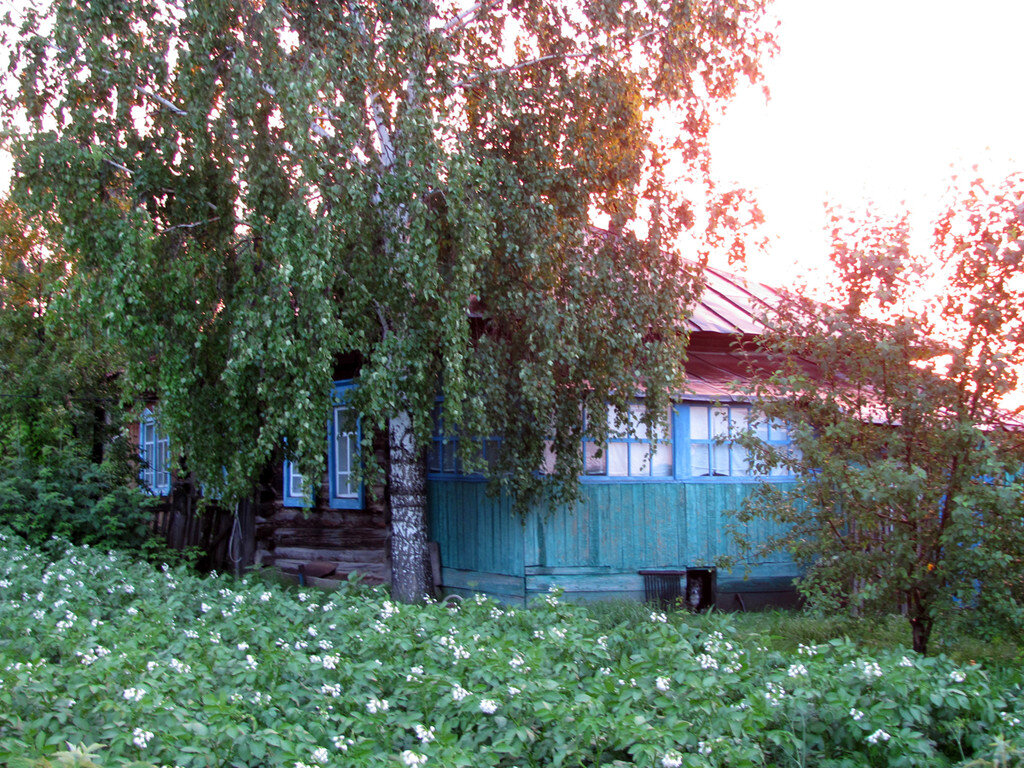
{"x":908,"y":486}
{"x":163,"y":666}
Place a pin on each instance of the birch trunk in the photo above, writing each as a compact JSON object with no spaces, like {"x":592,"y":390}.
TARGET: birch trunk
{"x":407,"y":485}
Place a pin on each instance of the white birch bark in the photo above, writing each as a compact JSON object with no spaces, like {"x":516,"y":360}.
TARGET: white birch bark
{"x":407,"y":486}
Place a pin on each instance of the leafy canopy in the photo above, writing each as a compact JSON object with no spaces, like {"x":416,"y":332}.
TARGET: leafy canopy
{"x":254,"y":191}
{"x":909,"y":490}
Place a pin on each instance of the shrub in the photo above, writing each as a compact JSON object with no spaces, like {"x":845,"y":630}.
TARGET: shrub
{"x":67,"y":495}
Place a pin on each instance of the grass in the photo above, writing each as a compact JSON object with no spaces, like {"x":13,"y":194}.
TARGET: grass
{"x":786,"y":630}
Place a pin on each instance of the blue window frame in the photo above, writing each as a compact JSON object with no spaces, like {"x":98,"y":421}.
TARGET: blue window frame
{"x":697,"y":443}
{"x":344,"y":435}
{"x":443,"y":450}
{"x":631,"y":451}
{"x":713,"y":451}
{"x":155,"y":455}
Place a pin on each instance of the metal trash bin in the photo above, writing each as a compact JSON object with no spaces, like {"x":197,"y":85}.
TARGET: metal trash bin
{"x":663,"y":587}
{"x":701,"y":588}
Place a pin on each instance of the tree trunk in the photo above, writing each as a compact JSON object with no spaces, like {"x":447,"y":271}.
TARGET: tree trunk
{"x":920,"y":624}
{"x":407,"y":484}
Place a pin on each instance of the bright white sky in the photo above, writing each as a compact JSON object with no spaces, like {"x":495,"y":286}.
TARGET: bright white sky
{"x":875,"y":99}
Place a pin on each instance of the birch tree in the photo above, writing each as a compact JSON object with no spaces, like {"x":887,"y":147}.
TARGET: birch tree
{"x":254,"y":190}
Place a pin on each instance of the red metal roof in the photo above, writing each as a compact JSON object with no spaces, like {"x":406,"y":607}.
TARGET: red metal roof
{"x":731,"y":304}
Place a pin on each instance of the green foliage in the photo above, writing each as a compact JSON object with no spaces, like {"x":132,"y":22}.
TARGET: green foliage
{"x":168,"y":668}
{"x":909,"y":489}
{"x":254,"y":192}
{"x":62,"y":494}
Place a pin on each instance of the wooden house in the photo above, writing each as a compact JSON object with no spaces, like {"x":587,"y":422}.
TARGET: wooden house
{"x":644,"y":515}
{"x":650,"y":513}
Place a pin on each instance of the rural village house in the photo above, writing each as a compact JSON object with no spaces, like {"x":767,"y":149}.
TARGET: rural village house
{"x":646,"y":505}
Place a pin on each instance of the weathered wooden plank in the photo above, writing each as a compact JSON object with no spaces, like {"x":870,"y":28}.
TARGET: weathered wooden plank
{"x":454,"y":579}
{"x":309,"y":554}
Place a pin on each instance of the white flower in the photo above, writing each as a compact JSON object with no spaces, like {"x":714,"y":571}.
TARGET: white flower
{"x":243,"y":646}
{"x":204,"y":607}
{"x":375,"y":705}
{"x":774,"y":693}
{"x":414,"y":674}
{"x":134,"y":694}
{"x":707,"y":662}
{"x":856,"y":714}
{"x":659,"y":618}
{"x":459,"y":693}
{"x":250,"y":662}
{"x":330,"y":689}
{"x":957,"y":675}
{"x":488,"y":706}
{"x":878,"y":736}
{"x":672,"y":759}
{"x":320,"y":755}
{"x":796,"y":670}
{"x":412,"y":759}
{"x":516,"y":661}
{"x":662,"y":684}
{"x":513,"y":691}
{"x":704,"y":747}
{"x":265,"y":597}
{"x":871,"y":670}
{"x":342,"y":743}
{"x":141,"y":738}
{"x":425,"y":735}
{"x":311,"y":631}
{"x":906,"y":662}
{"x":151,"y":665}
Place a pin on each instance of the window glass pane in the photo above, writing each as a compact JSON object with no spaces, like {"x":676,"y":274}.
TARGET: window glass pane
{"x":719,"y":422}
{"x":663,"y":432}
{"x":434,"y":457}
{"x":720,"y":459}
{"x":699,"y":422}
{"x":618,"y":459}
{"x":740,"y":461}
{"x":448,"y":456}
{"x":739,"y":416}
{"x":593,"y":463}
{"x":761,"y":429}
{"x":780,"y":432}
{"x":661,"y":464}
{"x":296,"y":481}
{"x":616,"y":427}
{"x":699,"y":463}
{"x":636,"y":414}
{"x":492,"y":451}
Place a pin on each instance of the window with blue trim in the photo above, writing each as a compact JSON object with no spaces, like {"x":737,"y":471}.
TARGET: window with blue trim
{"x":154,"y":453}
{"x":343,"y":438}
{"x":714,"y":451}
{"x":632,"y":451}
{"x":443,"y":451}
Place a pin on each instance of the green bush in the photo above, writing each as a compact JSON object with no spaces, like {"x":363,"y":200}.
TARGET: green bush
{"x":168,"y":668}
{"x":64,"y":494}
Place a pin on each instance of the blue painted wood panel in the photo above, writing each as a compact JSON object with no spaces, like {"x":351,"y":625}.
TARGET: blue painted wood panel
{"x":475,"y":532}
{"x":615,"y":530}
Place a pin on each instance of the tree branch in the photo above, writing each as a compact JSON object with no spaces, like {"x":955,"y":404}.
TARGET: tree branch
{"x":466,"y":16}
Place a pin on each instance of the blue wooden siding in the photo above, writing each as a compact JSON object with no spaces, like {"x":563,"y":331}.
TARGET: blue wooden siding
{"x":597,"y":548}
